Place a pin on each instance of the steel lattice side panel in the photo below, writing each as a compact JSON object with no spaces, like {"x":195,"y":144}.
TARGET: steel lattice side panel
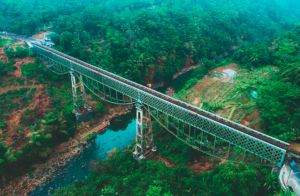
{"x":246,"y":142}
{"x":254,"y":145}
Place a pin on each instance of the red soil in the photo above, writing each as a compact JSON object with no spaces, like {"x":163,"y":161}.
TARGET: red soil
{"x":40,"y":35}
{"x":40,"y":103}
{"x":244,"y":122}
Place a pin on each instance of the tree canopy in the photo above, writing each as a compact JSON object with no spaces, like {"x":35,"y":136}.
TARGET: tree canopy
{"x":148,"y":41}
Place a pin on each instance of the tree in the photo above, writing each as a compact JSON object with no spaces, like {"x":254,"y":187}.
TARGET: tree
{"x":21,"y":52}
{"x":156,"y":191}
{"x":279,"y":102}
{"x":291,"y":74}
{"x":10,"y":53}
{"x":232,"y":180}
{"x":3,"y":150}
{"x":99,"y":109}
{"x":286,"y":50}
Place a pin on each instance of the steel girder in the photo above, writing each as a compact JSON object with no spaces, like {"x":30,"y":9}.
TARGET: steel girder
{"x":246,"y":142}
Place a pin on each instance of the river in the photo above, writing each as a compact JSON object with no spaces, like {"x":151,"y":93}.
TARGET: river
{"x":178,"y":83}
{"x":120,"y":132}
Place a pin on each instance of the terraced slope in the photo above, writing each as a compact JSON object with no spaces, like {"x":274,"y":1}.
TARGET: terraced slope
{"x":231,"y":100}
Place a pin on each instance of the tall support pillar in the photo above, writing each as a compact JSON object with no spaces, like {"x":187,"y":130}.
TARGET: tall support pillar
{"x":83,"y":94}
{"x":82,"y":109}
{"x":144,"y":146}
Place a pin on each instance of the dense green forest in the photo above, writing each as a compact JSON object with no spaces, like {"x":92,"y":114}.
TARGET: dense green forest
{"x":149,"y":41}
{"x":121,"y":175}
{"x":279,"y":99}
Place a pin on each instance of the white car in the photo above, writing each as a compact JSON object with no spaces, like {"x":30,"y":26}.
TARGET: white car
{"x":289,"y":178}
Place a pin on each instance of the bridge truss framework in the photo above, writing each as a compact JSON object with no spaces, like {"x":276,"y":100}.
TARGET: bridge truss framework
{"x":197,"y":131}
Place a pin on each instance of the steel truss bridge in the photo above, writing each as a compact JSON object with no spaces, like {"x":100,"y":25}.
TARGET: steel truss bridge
{"x":200,"y":129}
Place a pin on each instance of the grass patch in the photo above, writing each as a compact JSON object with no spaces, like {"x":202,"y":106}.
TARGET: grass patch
{"x":89,"y":136}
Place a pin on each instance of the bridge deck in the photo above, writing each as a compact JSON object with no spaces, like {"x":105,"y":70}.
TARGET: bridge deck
{"x":197,"y":111}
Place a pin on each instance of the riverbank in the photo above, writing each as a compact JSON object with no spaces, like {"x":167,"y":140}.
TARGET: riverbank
{"x":61,"y":156}
{"x":175,"y":76}
{"x":184,"y":70}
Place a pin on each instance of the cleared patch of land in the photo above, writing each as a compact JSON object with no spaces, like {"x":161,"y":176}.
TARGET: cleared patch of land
{"x":228,"y":94}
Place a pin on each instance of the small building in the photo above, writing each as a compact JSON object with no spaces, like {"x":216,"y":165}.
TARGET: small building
{"x":47,"y":40}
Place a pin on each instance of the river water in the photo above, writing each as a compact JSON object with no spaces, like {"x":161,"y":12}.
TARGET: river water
{"x":178,"y":83}
{"x":120,"y":132}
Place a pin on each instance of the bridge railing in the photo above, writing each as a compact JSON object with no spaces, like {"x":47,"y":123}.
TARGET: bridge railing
{"x":212,"y":114}
{"x":233,"y":136}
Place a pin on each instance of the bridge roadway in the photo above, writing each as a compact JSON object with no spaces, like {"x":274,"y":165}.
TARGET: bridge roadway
{"x":248,"y":139}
